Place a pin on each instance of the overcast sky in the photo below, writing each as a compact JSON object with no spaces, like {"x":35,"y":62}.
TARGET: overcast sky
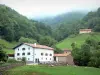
{"x":43,"y":8}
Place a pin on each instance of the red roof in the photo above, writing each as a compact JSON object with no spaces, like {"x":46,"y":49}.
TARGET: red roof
{"x":39,"y":46}
{"x":62,"y":55}
{"x":11,"y":55}
{"x":85,"y":29}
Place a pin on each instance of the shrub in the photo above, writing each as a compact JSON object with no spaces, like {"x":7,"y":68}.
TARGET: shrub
{"x":24,"y":59}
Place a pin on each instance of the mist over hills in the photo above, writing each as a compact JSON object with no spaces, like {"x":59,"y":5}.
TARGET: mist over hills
{"x":68,"y":18}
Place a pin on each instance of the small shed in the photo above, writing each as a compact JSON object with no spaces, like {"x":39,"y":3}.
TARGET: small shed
{"x":10,"y":56}
{"x":65,"y":57}
{"x":85,"y":31}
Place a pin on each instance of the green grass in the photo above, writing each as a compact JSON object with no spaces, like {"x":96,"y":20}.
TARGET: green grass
{"x":9,"y":51}
{"x":7,"y":46}
{"x":79,"y":39}
{"x":57,"y":70}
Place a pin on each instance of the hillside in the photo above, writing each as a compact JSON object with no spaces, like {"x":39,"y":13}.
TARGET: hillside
{"x":13,"y":26}
{"x":70,"y":24}
{"x":7,"y":46}
{"x":79,"y":39}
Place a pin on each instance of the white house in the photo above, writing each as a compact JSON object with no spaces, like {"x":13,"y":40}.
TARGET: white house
{"x":34,"y":53}
{"x":85,"y":31}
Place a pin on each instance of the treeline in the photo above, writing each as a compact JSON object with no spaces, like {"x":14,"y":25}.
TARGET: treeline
{"x":13,"y":26}
{"x":88,"y":54}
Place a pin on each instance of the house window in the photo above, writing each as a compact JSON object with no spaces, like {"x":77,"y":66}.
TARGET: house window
{"x":46,"y":54}
{"x":23,"y":53}
{"x":50,"y":58}
{"x":28,"y":53}
{"x":23,"y":48}
{"x":28,"y":58}
{"x":18,"y":54}
{"x":42,"y":54}
{"x":50,"y":54}
{"x":28,"y":48}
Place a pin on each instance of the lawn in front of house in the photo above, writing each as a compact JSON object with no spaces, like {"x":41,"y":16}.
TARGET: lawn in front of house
{"x":56,"y":70}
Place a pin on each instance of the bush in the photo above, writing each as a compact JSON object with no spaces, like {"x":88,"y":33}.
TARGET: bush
{"x":3,"y":55}
{"x":24,"y":59}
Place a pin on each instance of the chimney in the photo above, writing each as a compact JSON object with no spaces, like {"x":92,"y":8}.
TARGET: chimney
{"x":35,"y":44}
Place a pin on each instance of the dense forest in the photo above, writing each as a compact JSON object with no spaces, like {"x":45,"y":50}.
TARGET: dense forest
{"x":16,"y":27}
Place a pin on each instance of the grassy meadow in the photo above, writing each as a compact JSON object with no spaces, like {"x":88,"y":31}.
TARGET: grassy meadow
{"x":56,"y":70}
{"x":78,"y":39}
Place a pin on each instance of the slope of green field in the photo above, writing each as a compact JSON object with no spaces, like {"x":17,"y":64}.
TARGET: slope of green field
{"x":56,"y":70}
{"x":78,"y":39}
{"x":7,"y":46}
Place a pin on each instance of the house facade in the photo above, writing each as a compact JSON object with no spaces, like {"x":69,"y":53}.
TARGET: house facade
{"x":85,"y":31}
{"x":34,"y":53}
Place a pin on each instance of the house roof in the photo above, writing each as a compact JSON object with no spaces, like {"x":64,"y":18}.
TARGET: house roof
{"x":67,"y":50}
{"x":11,"y":55}
{"x":36,"y":46}
{"x":85,"y":29}
{"x":62,"y":55}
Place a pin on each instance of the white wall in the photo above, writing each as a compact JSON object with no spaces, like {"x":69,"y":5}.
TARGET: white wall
{"x":28,"y":57}
{"x":44,"y":58}
{"x":85,"y":32}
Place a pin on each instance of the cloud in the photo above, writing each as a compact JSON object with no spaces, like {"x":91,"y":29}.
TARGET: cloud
{"x":36,"y":8}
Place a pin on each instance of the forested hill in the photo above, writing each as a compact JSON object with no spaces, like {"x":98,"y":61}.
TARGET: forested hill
{"x":91,"y":20}
{"x":13,"y":26}
{"x":16,"y":27}
{"x":66,"y":18}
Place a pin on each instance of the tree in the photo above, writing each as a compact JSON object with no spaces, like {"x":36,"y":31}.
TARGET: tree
{"x":3,"y":55}
{"x":81,"y":56}
{"x":95,"y":59}
{"x":85,"y":54}
{"x":47,"y":40}
{"x":73,"y":45}
{"x":76,"y":56}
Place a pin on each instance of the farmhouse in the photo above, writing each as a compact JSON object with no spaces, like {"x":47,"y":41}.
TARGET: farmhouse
{"x":34,"y":53}
{"x":85,"y":31}
{"x":64,"y":57}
